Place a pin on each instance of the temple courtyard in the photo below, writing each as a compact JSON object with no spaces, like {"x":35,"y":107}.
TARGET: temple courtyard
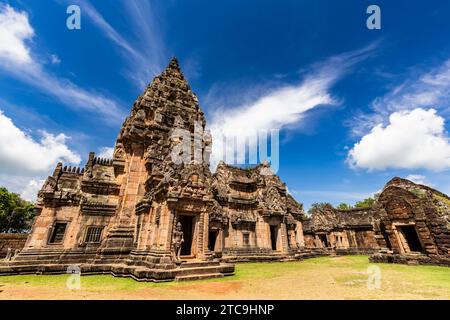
{"x":344,"y":277}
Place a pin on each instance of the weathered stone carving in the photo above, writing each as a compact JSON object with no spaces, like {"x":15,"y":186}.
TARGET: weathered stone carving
{"x":177,"y":242}
{"x":8,"y":254}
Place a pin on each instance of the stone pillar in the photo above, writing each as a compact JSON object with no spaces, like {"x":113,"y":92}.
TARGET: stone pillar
{"x":300,"y":239}
{"x":202,"y":224}
{"x":262,"y":230}
{"x":284,"y":239}
{"x":166,"y":228}
{"x":205,"y":235}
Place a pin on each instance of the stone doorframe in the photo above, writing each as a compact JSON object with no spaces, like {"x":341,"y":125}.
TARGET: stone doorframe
{"x":200,"y":230}
{"x":220,"y":238}
{"x":282,"y":241}
{"x":194,"y":232}
{"x":399,"y":237}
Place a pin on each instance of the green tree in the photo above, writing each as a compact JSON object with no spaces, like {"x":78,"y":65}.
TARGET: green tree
{"x":16,"y":214}
{"x":318,"y":206}
{"x":368,"y":202}
{"x":344,"y":206}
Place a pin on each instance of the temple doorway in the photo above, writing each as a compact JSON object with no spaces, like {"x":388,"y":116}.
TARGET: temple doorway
{"x":274,"y":236}
{"x":187,"y":226}
{"x":212,"y":239}
{"x":324,"y":240}
{"x":385,"y":236}
{"x":410,"y":239}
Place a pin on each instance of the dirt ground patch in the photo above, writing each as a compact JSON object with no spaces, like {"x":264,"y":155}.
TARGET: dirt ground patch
{"x":220,"y":288}
{"x":346,"y":277}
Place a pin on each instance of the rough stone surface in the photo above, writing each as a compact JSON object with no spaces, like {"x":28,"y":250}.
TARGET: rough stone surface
{"x":344,"y":231}
{"x":414,"y":224}
{"x":408,"y":223}
{"x":11,"y":242}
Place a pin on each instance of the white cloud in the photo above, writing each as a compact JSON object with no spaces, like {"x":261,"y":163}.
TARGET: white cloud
{"x":25,"y":161}
{"x":55,"y":59}
{"x":101,"y":23}
{"x":280,"y":107}
{"x":419,"y":179}
{"x":17,"y":59}
{"x":106,"y":152}
{"x":31,"y":190}
{"x":20,"y":154}
{"x":335,"y":195}
{"x":143,"y":47}
{"x":412,"y":139}
{"x":429,"y":89}
{"x":15,"y":30}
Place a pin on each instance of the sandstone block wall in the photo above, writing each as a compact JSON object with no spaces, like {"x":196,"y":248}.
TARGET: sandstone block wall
{"x":13,"y":241}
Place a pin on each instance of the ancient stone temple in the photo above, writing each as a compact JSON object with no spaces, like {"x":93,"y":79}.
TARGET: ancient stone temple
{"x":408,"y":223}
{"x":414,"y":224}
{"x":156,"y":212}
{"x":342,"y":231}
{"x":264,"y":221}
{"x":146,"y":215}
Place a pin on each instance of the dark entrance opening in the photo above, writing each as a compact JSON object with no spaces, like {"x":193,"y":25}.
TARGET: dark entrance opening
{"x":273,"y":236}
{"x":411,"y":237}
{"x":385,"y":236}
{"x":324,"y":240}
{"x":212,"y":240}
{"x":187,"y":226}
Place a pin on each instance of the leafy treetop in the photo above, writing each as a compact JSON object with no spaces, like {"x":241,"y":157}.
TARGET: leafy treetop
{"x":16,"y":214}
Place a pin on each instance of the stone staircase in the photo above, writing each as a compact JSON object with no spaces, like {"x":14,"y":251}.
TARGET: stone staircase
{"x":198,"y":270}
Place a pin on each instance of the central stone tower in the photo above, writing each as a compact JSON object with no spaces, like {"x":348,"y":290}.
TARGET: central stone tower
{"x":161,"y":181}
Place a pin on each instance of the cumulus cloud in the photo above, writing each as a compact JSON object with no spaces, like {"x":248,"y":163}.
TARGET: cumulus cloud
{"x":20,"y":154}
{"x":106,"y":152}
{"x":25,"y":161}
{"x":422,"y":89}
{"x":17,"y":59}
{"x":15,"y":30}
{"x":419,"y":179}
{"x":412,"y":139}
{"x":31,"y":190}
{"x":278,"y":108}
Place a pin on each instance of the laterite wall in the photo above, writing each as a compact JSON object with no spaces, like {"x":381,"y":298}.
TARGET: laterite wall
{"x":13,"y":241}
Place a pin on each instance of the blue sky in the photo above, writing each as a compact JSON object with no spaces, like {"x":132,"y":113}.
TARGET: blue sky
{"x":355,"y":107}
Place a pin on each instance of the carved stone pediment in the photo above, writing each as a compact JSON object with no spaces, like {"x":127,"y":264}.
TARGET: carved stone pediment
{"x":274,"y":202}
{"x":194,"y":181}
{"x":324,"y":219}
{"x":217,"y":214}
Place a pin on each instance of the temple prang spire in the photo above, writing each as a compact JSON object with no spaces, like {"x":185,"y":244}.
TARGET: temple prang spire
{"x":168,"y":102}
{"x":174,"y":64}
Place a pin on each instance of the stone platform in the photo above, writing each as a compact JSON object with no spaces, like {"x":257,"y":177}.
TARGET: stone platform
{"x":410,"y":259}
{"x":190,"y":270}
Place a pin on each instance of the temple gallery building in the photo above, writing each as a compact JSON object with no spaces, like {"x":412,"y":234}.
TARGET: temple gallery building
{"x":143,"y":215}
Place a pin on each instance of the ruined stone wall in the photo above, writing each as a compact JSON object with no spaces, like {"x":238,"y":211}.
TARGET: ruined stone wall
{"x":309,"y":240}
{"x":346,"y":231}
{"x":15,"y":241}
{"x":365,"y":239}
{"x":414,"y":224}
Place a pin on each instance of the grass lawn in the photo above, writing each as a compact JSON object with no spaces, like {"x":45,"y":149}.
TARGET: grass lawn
{"x":319,"y":278}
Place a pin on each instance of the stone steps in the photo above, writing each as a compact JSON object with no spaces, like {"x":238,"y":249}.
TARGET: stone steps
{"x":193,"y":277}
{"x":195,"y":264}
{"x":198,"y":270}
